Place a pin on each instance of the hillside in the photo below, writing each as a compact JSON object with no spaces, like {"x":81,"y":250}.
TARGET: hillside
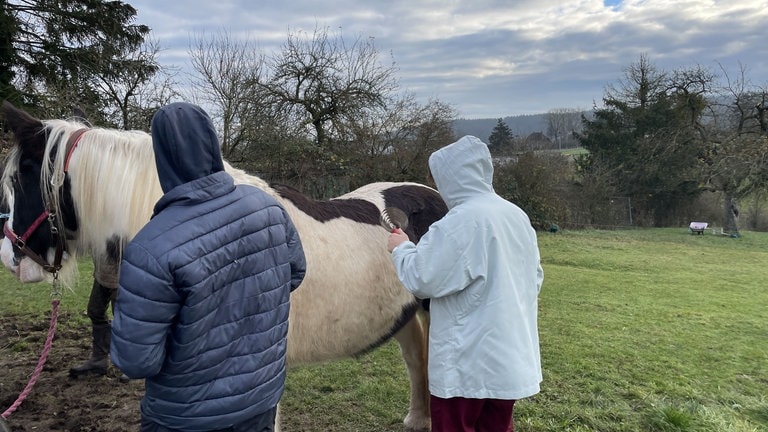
{"x":522,"y":125}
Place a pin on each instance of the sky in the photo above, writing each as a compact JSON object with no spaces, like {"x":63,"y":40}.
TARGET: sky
{"x":492,"y":58}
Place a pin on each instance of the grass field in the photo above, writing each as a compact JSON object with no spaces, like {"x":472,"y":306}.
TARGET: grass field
{"x":641,"y":330}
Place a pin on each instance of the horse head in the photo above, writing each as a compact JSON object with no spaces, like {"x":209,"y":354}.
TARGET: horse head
{"x":40,"y":211}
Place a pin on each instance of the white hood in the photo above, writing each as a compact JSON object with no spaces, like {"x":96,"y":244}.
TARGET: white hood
{"x":462,"y":170}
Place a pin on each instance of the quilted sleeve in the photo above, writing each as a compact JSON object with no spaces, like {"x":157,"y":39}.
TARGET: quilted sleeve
{"x":146,"y":307}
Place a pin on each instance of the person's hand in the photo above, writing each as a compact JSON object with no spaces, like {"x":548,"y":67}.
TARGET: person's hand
{"x":395,"y":239}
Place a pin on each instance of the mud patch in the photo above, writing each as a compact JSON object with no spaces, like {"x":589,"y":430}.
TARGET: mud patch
{"x":57,"y":402}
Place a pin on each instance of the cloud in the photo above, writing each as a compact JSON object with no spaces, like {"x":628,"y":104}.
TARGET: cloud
{"x":493,"y":58}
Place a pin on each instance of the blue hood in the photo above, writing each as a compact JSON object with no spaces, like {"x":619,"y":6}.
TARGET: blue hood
{"x":185,"y":143}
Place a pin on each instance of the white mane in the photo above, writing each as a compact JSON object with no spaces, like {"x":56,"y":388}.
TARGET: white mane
{"x":130,"y":179}
{"x":121,"y":163}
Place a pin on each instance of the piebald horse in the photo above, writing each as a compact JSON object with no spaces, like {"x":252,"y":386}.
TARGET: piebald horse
{"x":91,"y":194}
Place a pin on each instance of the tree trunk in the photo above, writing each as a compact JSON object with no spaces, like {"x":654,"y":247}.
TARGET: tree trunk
{"x":731,"y":224}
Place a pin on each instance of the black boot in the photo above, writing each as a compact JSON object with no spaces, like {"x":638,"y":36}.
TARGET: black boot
{"x":97,"y":364}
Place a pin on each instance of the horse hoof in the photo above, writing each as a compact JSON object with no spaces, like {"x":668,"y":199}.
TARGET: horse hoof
{"x":423,"y":425}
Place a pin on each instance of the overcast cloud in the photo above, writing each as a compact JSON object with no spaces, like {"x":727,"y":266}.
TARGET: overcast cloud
{"x":491,"y":58}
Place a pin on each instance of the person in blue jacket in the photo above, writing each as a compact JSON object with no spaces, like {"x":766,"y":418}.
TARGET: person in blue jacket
{"x":203,"y":299}
{"x":481,"y":268}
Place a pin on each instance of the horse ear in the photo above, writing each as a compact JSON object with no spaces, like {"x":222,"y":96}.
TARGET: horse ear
{"x":26,"y":129}
{"x":79,"y":115}
{"x":19,"y":121}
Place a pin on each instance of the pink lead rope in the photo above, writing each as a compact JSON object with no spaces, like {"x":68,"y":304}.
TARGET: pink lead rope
{"x":40,"y":363}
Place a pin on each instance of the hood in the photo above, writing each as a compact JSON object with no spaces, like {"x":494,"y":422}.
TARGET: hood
{"x":185,"y":143}
{"x":462,"y":170}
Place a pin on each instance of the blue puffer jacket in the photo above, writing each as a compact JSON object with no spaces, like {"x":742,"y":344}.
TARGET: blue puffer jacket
{"x":202,"y":307}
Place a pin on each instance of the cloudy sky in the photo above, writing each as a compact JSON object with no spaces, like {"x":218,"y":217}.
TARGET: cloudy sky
{"x":493,"y":58}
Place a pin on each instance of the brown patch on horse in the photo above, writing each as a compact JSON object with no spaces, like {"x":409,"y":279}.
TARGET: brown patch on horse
{"x":355,"y":209}
{"x":422,"y":205}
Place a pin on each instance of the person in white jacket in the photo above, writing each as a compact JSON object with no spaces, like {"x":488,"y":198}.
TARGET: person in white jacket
{"x":480,"y":266}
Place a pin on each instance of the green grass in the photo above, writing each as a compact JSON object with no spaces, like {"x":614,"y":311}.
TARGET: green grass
{"x":35,"y":299}
{"x":641,"y":330}
{"x":574,"y":151}
{"x":652,"y":330}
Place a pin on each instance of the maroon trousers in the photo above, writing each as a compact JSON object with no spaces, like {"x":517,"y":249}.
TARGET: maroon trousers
{"x":471,"y":415}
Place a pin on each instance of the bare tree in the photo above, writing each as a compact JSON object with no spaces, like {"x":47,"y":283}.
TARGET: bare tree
{"x":323,"y":81}
{"x":642,"y":84}
{"x":320,"y":114}
{"x":561,"y":125}
{"x":135,"y":90}
{"x":736,"y":158}
{"x":227,"y":83}
{"x":394,"y":143}
{"x":690,"y":87}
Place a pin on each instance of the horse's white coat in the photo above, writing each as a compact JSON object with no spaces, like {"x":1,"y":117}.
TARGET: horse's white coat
{"x":350,"y":297}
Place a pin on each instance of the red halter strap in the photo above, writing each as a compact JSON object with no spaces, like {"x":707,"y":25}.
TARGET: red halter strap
{"x":21,"y":243}
{"x":72,"y":142}
{"x":43,"y":216}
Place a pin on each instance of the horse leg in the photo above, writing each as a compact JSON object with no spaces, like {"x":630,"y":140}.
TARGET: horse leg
{"x":413,"y":346}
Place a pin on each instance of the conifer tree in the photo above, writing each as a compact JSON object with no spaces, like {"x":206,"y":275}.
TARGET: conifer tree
{"x":501,"y":138}
{"x":49,"y":47}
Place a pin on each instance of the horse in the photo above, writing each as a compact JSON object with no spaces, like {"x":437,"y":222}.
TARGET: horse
{"x":74,"y":190}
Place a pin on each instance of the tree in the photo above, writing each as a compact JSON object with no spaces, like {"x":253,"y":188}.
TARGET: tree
{"x":135,"y":87}
{"x":229,"y":74}
{"x":735,"y":159}
{"x":562,"y":123}
{"x":319,"y":115}
{"x":394,"y":143}
{"x":255,"y":134}
{"x":58,"y":45}
{"x":501,"y":138}
{"x":538,"y":183}
{"x":647,"y":139}
{"x":8,"y":30}
{"x":324,"y":82}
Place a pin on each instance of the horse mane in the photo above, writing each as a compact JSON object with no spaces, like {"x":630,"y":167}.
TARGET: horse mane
{"x":129,"y":179}
{"x":122,"y":163}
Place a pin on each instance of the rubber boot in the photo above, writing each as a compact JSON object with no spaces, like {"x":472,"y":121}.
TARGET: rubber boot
{"x":97,"y":364}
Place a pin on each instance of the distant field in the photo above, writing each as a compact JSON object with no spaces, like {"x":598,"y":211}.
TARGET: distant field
{"x":574,"y":151}
{"x":641,"y":330}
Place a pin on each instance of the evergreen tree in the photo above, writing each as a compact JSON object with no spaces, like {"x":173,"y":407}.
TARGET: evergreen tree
{"x":501,"y":138}
{"x":58,"y":47}
{"x":8,"y":29}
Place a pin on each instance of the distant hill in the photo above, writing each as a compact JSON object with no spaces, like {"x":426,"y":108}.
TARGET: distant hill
{"x":522,"y":125}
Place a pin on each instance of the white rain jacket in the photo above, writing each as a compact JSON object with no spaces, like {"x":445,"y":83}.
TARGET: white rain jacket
{"x":480,"y":266}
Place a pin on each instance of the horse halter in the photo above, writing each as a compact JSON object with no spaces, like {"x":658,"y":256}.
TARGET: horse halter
{"x":20,"y":241}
